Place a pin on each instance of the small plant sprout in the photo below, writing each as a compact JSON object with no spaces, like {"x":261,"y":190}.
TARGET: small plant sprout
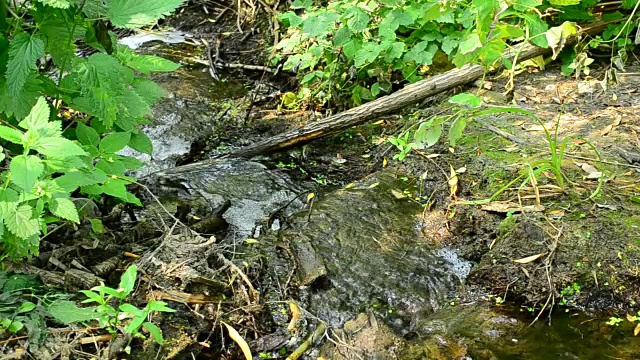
{"x":124,"y":316}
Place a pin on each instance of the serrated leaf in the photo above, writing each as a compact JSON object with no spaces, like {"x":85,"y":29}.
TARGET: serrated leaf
{"x":70,"y":181}
{"x":357,"y":19}
{"x":25,"y":171}
{"x":38,"y":117}
{"x":139,"y":13}
{"x":19,"y":220}
{"x":60,"y":4}
{"x":115,"y":142}
{"x":87,"y":135}
{"x":128,"y":279}
{"x":470,"y":44}
{"x":68,"y":312}
{"x":11,"y":135}
{"x":456,"y":130}
{"x":154,"y":331}
{"x":422,"y":53}
{"x":148,"y":90}
{"x":57,"y":147}
{"x":24,"y":51}
{"x":64,"y":208}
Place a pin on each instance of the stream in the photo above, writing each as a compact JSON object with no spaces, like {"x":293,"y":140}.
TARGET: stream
{"x":364,"y":258}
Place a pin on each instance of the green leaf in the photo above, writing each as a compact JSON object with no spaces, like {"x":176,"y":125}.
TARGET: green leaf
{"x":556,"y":36}
{"x":25,"y":171}
{"x":134,"y":325}
{"x":96,"y":226}
{"x":160,"y":306}
{"x":20,"y":221}
{"x":57,"y":147}
{"x":564,"y":2}
{"x":466,"y":99}
{"x":87,"y":135}
{"x":24,"y":51}
{"x":70,"y":181}
{"x":128,"y":308}
{"x":394,"y":51}
{"x":147,"y":64}
{"x":11,"y":135}
{"x":115,"y":142}
{"x":38,"y":117}
{"x":148,"y":90}
{"x":357,"y":19}
{"x":422,"y":53}
{"x":128,"y":279}
{"x":64,"y":208}
{"x":428,"y":134}
{"x":471,"y":43}
{"x":139,"y":13}
{"x":60,"y":4}
{"x":141,"y":142}
{"x":456,"y":130}
{"x":629,"y":4}
{"x":92,"y":297}
{"x":154,"y":331}
{"x":68,"y":312}
{"x":26,"y":307}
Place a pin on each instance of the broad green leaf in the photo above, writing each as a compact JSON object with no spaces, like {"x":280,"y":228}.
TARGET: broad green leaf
{"x":61,"y":4}
{"x":131,"y":163}
{"x":456,"y":130}
{"x":147,"y":64}
{"x":70,"y":181}
{"x":394,"y":51}
{"x":87,"y":135}
{"x":422,"y":53}
{"x":64,"y":208}
{"x":11,"y":135}
{"x":471,"y":43}
{"x":25,"y":171}
{"x":629,"y":4}
{"x":68,"y":312}
{"x":128,"y":308}
{"x":148,"y":90}
{"x":357,"y":19}
{"x":135,"y":324}
{"x":160,"y":306}
{"x":115,"y":142}
{"x":57,"y":147}
{"x":128,"y":279}
{"x":154,"y":331}
{"x":24,"y":51}
{"x":96,"y":226}
{"x":139,"y":13}
{"x":92,"y":297}
{"x":466,"y":99}
{"x":26,"y":307}
{"x":556,"y":36}
{"x":428,"y":134}
{"x":342,"y":36}
{"x":141,"y":142}
{"x":38,"y":117}
{"x":111,"y":165}
{"x":20,"y":221}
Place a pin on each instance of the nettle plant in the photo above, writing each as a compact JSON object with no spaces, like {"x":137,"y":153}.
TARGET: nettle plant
{"x":63,"y":117}
{"x":359,"y":49}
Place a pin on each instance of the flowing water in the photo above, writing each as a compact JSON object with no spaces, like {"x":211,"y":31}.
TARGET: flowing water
{"x":366,"y":260}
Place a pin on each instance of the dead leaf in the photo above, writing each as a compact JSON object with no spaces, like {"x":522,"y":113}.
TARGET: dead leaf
{"x":461,"y":170}
{"x":616,"y":121}
{"x":518,"y":123}
{"x":235,"y":336}
{"x":528,"y":259}
{"x":295,"y":316}
{"x":630,"y":318}
{"x":453,"y":182}
{"x":636,"y":330}
{"x":507,"y":206}
{"x":384,"y":162}
{"x":578,"y":141}
{"x":511,"y":148}
{"x":525,"y":271}
{"x":398,"y":194}
{"x":373,"y":185}
{"x":535,"y":128}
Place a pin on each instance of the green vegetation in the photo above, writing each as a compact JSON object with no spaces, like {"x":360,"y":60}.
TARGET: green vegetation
{"x":351,"y":51}
{"x":50,"y":154}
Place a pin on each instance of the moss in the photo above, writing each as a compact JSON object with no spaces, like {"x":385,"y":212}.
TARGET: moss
{"x":507,"y":226}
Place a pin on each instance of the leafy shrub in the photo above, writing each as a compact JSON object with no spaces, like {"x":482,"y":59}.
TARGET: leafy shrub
{"x":47,"y":160}
{"x":360,"y":49}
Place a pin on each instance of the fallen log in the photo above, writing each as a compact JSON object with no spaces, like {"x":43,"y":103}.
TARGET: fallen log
{"x":401,"y":99}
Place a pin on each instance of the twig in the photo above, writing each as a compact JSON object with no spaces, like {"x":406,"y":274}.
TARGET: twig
{"x":306,"y":345}
{"x":249,"y":67}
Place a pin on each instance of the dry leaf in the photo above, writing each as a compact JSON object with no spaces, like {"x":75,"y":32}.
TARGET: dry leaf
{"x":384,"y":162}
{"x":507,"y":206}
{"x":605,"y":131}
{"x":349,"y":186}
{"x":461,"y":170}
{"x":511,"y":148}
{"x":578,"y":141}
{"x":525,"y":271}
{"x":431,"y":156}
{"x":453,"y":182}
{"x":398,"y":194}
{"x":310,"y":197}
{"x":636,"y":330}
{"x":295,"y":316}
{"x":535,"y":128}
{"x":235,"y":336}
{"x":528,"y":259}
{"x":518,"y":123}
{"x":630,"y":318}
{"x":373,"y":185}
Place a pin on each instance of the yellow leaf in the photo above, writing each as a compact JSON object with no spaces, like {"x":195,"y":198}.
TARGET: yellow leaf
{"x":373,"y":185}
{"x":235,"y":336}
{"x":636,"y":330}
{"x":384,"y":162}
{"x":528,"y":259}
{"x":310,"y":197}
{"x":295,"y":316}
{"x":251,"y":241}
{"x":349,"y":186}
{"x":630,"y":318}
{"x":397,"y":194}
